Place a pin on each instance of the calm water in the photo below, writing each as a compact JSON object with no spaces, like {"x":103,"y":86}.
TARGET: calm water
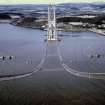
{"x":25,"y":44}
{"x":77,"y":49}
{"x":52,"y":85}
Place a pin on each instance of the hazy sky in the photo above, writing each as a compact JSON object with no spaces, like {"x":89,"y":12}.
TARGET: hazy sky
{"x":44,"y":1}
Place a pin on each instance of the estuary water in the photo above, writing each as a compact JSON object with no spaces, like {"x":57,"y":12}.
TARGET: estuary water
{"x":52,"y":85}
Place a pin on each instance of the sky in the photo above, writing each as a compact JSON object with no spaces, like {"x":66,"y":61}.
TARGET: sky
{"x":46,"y":1}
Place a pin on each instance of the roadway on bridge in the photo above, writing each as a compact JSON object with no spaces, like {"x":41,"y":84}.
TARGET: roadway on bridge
{"x":52,"y":61}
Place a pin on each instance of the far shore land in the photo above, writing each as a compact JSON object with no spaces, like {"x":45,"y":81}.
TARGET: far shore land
{"x":73,"y":20}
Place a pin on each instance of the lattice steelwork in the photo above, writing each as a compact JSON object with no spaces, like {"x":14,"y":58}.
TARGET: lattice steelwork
{"x":51,"y":32}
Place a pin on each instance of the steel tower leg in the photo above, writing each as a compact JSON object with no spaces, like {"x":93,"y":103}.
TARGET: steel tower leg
{"x":51,"y":31}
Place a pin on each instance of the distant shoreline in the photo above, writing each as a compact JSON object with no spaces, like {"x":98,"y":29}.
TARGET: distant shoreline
{"x":99,"y":31}
{"x":5,"y":21}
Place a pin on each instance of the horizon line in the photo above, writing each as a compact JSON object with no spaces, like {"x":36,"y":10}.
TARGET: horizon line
{"x":51,"y":3}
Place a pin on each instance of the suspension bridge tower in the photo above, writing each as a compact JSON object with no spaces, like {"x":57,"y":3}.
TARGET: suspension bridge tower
{"x":51,"y":31}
